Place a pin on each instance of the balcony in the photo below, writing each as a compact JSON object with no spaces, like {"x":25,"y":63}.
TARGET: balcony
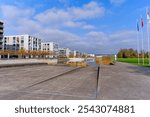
{"x":1,"y":23}
{"x":1,"y":46}
{"x":1,"y":41}
{"x":1,"y":31}
{"x":1,"y":26}
{"x":1,"y":37}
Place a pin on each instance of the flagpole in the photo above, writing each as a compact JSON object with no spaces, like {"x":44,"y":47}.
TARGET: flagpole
{"x":138,"y":41}
{"x":148,"y":36}
{"x":142,"y":40}
{"x":142,"y":46}
{"x":138,"y":47}
{"x":148,"y":43}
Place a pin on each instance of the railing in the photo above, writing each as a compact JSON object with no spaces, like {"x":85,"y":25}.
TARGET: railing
{"x":1,"y":26}
{"x":1,"y":30}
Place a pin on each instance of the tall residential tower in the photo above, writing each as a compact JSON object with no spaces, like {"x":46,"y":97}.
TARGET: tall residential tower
{"x":1,"y":34}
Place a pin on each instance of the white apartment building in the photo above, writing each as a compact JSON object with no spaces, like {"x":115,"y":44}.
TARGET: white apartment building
{"x":79,"y":54}
{"x":65,"y":52}
{"x":73,"y":53}
{"x":50,"y":46}
{"x":26,"y":42}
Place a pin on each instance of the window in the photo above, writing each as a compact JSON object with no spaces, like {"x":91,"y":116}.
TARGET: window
{"x":22,"y":42}
{"x":22,"y":48}
{"x":17,"y":39}
{"x":22,"y":37}
{"x":14,"y":39}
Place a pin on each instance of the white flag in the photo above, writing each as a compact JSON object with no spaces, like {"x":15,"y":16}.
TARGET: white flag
{"x":148,"y":16}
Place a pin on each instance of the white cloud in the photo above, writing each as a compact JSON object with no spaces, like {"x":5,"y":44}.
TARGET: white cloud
{"x":117,"y":2}
{"x":82,"y":25}
{"x":53,"y":16}
{"x":25,"y":25}
{"x":64,"y":38}
{"x":75,"y":15}
{"x":9,"y":11}
{"x":88,"y":11}
{"x":89,"y":27}
{"x":49,"y":26}
{"x":107,"y":43}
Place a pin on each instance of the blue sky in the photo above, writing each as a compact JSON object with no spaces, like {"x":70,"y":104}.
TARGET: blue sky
{"x":93,"y":26}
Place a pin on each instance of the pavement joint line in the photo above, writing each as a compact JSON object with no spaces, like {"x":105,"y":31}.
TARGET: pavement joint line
{"x":56,"y":76}
{"x":98,"y":80}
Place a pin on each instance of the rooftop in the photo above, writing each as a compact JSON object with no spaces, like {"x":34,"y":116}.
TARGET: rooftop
{"x":48,"y":42}
{"x":20,"y":35}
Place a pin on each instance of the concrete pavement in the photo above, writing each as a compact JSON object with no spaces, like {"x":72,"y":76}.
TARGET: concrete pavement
{"x":16,"y":83}
{"x":121,"y":81}
{"x":124,"y":81}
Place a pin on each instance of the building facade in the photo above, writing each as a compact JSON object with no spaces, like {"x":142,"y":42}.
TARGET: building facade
{"x":1,"y":34}
{"x":19,"y":42}
{"x":73,"y":54}
{"x":51,"y":47}
{"x":64,"y":52}
{"x":79,"y":54}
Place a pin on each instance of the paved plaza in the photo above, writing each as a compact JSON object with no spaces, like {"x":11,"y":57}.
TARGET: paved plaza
{"x":44,"y":82}
{"x":124,"y":81}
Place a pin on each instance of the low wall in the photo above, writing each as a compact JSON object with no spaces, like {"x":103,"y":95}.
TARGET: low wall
{"x":27,"y":61}
{"x":76,"y":59}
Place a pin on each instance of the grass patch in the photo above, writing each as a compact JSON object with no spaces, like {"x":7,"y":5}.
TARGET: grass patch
{"x":134,"y":61}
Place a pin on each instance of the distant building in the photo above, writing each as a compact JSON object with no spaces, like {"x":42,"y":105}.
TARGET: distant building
{"x":91,"y":55}
{"x":79,"y":54}
{"x":1,"y":34}
{"x":64,"y":52}
{"x":18,"y":42}
{"x":50,"y":46}
{"x":73,"y":54}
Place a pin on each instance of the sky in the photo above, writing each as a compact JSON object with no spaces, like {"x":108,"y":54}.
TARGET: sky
{"x":92,"y":26}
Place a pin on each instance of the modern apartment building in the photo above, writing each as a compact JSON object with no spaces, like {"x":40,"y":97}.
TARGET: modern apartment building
{"x":1,"y":34}
{"x":64,"y":52}
{"x":79,"y":54}
{"x":73,"y":54}
{"x":50,"y":46}
{"x":25,"y":42}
